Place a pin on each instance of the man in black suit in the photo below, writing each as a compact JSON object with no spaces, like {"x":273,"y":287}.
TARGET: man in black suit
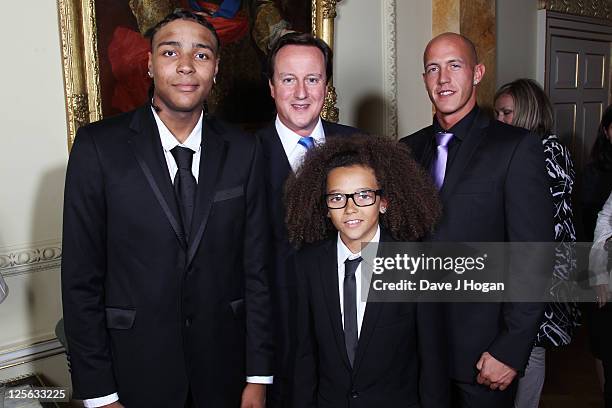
{"x":493,"y":188}
{"x":164,"y":279}
{"x":299,"y":68}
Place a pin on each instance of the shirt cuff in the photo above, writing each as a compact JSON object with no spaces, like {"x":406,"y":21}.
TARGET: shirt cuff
{"x":101,"y":401}
{"x":257,"y":379}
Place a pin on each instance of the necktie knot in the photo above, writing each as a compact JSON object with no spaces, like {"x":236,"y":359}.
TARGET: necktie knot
{"x":307,"y":142}
{"x":350,"y":266}
{"x":443,"y":138}
{"x":183,"y":157}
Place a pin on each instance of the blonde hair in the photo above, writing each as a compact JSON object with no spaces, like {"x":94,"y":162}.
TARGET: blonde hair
{"x":532,"y":108}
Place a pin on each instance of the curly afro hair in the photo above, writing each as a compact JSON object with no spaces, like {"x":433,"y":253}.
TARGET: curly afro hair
{"x":413,"y":206}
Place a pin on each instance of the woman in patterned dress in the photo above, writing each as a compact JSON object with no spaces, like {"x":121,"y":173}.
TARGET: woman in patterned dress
{"x":523,"y":103}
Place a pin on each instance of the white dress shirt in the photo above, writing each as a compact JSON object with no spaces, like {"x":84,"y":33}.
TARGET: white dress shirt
{"x":295,"y":152}
{"x":343,"y":254}
{"x":598,"y":258}
{"x":169,"y":142}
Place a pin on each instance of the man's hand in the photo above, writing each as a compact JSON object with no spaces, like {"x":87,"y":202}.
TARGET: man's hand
{"x":254,"y":396}
{"x":115,"y":404}
{"x":493,"y":373}
{"x":601,"y":292}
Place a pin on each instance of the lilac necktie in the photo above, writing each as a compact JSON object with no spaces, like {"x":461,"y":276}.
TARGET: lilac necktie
{"x":438,"y":166}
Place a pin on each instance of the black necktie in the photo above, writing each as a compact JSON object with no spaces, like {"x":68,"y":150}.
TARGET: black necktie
{"x":350,"y":307}
{"x":184,"y":184}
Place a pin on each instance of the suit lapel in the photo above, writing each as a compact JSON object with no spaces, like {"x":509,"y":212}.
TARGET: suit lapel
{"x":370,"y":317}
{"x":146,"y":145}
{"x":328,"y":268}
{"x":327,"y":128}
{"x":466,"y":150}
{"x":279,"y":167}
{"x":428,"y":149}
{"x":421,"y":145}
{"x":214,"y":151}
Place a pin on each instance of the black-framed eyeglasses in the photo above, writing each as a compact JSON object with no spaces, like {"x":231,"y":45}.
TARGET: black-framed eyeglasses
{"x":365,"y":198}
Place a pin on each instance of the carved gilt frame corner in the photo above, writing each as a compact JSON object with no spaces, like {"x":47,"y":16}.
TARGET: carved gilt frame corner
{"x":323,"y":22}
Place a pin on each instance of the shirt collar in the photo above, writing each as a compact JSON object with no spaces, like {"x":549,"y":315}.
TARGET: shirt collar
{"x":193,"y":141}
{"x":290,"y":139}
{"x":461,"y":128}
{"x":344,"y":252}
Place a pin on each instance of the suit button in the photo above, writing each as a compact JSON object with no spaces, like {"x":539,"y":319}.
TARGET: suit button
{"x":188,"y":322}
{"x":354,"y":394}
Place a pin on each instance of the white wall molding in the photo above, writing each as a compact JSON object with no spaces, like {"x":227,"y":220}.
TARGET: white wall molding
{"x":30,"y":353}
{"x":389,"y":54}
{"x":35,"y":257}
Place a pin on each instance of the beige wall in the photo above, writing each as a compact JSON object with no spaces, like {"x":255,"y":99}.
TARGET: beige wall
{"x":33,"y":158}
{"x":361,"y":70}
{"x":358,"y":73}
{"x":517,"y":34}
{"x":414,"y":30}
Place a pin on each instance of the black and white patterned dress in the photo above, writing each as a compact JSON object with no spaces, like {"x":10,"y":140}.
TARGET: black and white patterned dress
{"x":560,"y":318}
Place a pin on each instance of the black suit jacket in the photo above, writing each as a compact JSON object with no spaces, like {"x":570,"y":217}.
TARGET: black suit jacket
{"x":148,"y":314}
{"x":495,"y":190}
{"x":400,"y":359}
{"x":282,"y":274}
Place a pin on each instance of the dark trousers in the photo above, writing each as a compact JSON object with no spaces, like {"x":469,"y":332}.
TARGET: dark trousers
{"x":279,"y":394}
{"x":190,"y":403}
{"x":600,"y":336}
{"x":274,"y":394}
{"x":468,"y":395}
{"x":607,"y":367}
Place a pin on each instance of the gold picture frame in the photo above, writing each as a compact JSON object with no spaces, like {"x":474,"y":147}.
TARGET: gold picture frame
{"x":81,"y":69}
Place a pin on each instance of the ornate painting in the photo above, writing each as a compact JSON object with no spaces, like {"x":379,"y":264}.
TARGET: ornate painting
{"x":105,"y":53}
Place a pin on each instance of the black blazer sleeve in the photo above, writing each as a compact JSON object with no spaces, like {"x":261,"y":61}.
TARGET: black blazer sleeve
{"x":259,"y":343}
{"x":84,"y":270}
{"x":305,"y":376}
{"x":528,"y":212}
